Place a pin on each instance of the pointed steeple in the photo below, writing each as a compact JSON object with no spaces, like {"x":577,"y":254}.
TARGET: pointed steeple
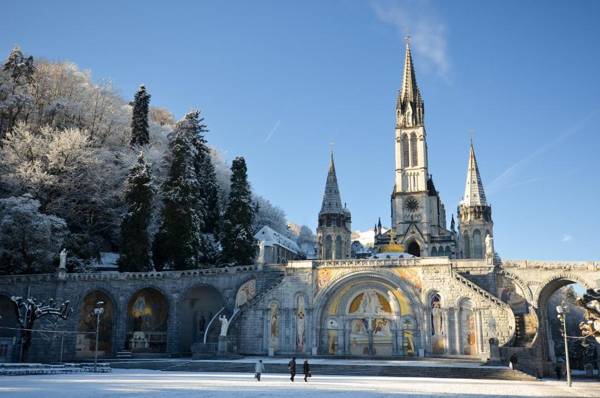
{"x":409,"y":105}
{"x":410,"y":90}
{"x":332,"y":202}
{"x":474,"y":194}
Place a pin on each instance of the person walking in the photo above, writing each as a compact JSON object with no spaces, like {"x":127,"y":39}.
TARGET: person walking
{"x":292,"y":368}
{"x":306,"y":369}
{"x":258,"y":369}
{"x":558,"y":370}
{"x":513,"y":361}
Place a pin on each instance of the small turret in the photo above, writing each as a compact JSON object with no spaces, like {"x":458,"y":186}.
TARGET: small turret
{"x":474,"y":213}
{"x":334,"y":231}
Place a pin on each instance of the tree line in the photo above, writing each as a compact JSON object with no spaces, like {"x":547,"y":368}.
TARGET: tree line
{"x":82,"y":168}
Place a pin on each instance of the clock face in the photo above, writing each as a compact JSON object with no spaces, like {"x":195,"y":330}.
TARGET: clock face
{"x":411,"y":204}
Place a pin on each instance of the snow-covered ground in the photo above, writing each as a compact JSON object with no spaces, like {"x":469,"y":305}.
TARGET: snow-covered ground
{"x":145,"y":383}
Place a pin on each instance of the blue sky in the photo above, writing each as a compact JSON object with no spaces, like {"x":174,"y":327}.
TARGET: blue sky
{"x":279,"y":81}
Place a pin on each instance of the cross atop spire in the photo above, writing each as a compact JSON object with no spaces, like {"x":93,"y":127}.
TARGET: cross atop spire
{"x":474,"y":194}
{"x":409,"y":103}
{"x":332,"y":202}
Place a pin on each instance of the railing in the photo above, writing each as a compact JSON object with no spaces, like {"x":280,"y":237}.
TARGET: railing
{"x":114,"y":275}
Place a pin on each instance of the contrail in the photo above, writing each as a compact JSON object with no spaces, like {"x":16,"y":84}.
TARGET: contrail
{"x":275,"y":127}
{"x":499,"y":182}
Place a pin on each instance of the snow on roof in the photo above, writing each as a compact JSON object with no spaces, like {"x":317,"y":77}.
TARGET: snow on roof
{"x":270,"y":237}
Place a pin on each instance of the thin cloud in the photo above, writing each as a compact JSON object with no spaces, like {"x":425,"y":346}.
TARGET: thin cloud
{"x":273,"y":130}
{"x":506,"y":178}
{"x":566,"y":238}
{"x":426,"y":29}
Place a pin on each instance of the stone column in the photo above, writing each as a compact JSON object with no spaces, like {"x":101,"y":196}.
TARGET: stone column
{"x":173,"y":326}
{"x":458,"y":330}
{"x":446,"y":330}
{"x":121,"y":317}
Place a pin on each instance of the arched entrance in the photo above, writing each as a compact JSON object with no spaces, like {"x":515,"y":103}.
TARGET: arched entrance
{"x":147,"y":314}
{"x":414,"y":249}
{"x":557,"y":292}
{"x":8,"y":337}
{"x":368,"y":316}
{"x":86,"y":339}
{"x":198,"y":307}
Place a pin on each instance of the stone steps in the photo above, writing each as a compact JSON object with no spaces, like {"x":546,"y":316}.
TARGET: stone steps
{"x":333,"y":369}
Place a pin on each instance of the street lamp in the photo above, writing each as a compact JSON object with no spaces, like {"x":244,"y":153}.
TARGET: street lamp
{"x":98,"y":311}
{"x":561,"y":311}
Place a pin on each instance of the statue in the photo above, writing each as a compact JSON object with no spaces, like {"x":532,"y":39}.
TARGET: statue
{"x":300,"y":324}
{"x":63,"y":260}
{"x":489,"y":246}
{"x":224,"y":325}
{"x":590,"y":328}
{"x":437,"y":318}
{"x":274,"y":327}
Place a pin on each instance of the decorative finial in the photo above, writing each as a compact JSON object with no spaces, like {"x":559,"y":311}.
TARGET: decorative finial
{"x":472,"y":135}
{"x":407,"y":40}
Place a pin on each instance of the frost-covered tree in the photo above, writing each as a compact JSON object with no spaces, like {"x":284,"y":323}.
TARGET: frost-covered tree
{"x":239,"y":245}
{"x":268,"y":214}
{"x":209,"y":192}
{"x":135,"y":242}
{"x":177,"y":244}
{"x":15,"y":86}
{"x":30,"y":241}
{"x":139,"y":118}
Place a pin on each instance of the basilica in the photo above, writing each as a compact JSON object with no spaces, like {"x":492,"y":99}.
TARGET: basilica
{"x":426,"y":290}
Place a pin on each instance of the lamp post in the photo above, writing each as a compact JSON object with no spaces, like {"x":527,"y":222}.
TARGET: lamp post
{"x":561,"y":310}
{"x":98,"y":311}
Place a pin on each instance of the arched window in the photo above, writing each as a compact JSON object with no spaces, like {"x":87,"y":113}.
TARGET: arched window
{"x":414,"y":157}
{"x":467,"y":245}
{"x":328,"y":247}
{"x":338,"y":248}
{"x":414,"y":249}
{"x":405,"y":151}
{"x":477,"y":244}
{"x":448,"y":252}
{"x":434,"y":252}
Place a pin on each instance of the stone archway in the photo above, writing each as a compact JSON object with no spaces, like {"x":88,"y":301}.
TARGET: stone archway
{"x":147,"y":316}
{"x":85,"y":343}
{"x":543,"y":339}
{"x":366,"y":314}
{"x":198,"y":306}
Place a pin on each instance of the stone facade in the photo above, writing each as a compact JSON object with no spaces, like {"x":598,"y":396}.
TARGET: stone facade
{"x":361,"y":308}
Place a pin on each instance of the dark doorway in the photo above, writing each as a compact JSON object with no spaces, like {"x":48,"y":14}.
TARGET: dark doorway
{"x":414,"y":249}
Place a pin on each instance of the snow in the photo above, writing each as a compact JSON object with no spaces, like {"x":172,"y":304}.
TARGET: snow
{"x":270,"y":237}
{"x":146,"y":383}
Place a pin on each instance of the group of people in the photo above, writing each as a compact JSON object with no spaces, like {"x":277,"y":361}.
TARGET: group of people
{"x":260,"y":368}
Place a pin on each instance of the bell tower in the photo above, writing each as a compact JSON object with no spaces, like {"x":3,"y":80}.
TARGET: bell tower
{"x":418,"y":214}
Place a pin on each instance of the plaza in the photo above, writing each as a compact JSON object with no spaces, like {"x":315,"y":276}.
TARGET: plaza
{"x":145,"y":383}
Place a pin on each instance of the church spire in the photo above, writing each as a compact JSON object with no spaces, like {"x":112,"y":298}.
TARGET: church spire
{"x":332,"y":202}
{"x":474,"y":194}
{"x":410,"y":90}
{"x":409,"y":105}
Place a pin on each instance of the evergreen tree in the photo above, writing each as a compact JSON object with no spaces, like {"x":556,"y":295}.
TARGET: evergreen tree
{"x":135,"y":245}
{"x":177,"y":244}
{"x":139,"y":118}
{"x":239,"y":245}
{"x":209,"y":193}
